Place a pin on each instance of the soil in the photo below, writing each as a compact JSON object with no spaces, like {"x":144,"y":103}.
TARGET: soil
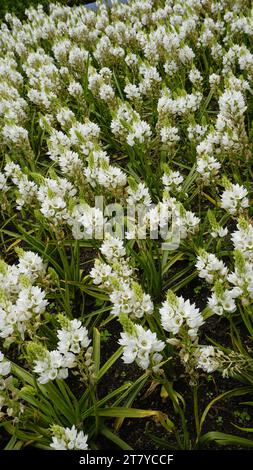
{"x":144,"y":434}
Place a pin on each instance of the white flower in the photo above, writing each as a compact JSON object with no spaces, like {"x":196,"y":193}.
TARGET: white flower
{"x":235,"y":199}
{"x":139,"y":195}
{"x":140,"y":132}
{"x":196,"y":132}
{"x":131,"y":59}
{"x":176,"y":311}
{"x":170,"y":67}
{"x":143,"y":347}
{"x":232,"y":104}
{"x":106,"y":93}
{"x":32,"y":265}
{"x":195,"y":77}
{"x":75,"y":89}
{"x":72,"y":337}
{"x":132,"y":92}
{"x":188,"y":224}
{"x":131,"y":300}
{"x":3,"y":182}
{"x":178,"y":106}
{"x":219,"y":232}
{"x":65,"y":117}
{"x":172,"y":180}
{"x":101,"y":274}
{"x":207,"y":167}
{"x":27,"y":190}
{"x":210,"y":267}
{"x":186,"y":54}
{"x":84,"y":136}
{"x":5,"y":366}
{"x":87,"y":222}
{"x":207,"y":359}
{"x":32,"y":301}
{"x":111,"y":177}
{"x":53,"y":365}
{"x":112,"y":248}
{"x":242,"y":238}
{"x":214,"y":79}
{"x":70,"y":163}
{"x":53,"y":196}
{"x":78,"y":58}
{"x":223,"y":301}
{"x":169,"y":135}
{"x":128,"y":126}
{"x":68,"y":439}
{"x":242,"y":278}
{"x":13,"y":134}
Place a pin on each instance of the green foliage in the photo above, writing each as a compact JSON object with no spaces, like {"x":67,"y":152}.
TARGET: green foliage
{"x":88,"y":381}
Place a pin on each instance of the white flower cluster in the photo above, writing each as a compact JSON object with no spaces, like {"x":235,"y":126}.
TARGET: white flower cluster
{"x":80,"y":155}
{"x":13,"y":107}
{"x":215,"y":273}
{"x":222,"y":299}
{"x":172,"y":180}
{"x":178,"y":314}
{"x":72,"y":337}
{"x":53,"y":196}
{"x":68,"y":439}
{"x":3,"y":183}
{"x":43,"y":77}
{"x":178,"y":106}
{"x":8,"y":400}
{"x":169,"y":135}
{"x":84,"y":135}
{"x":242,"y":278}
{"x":5,"y":369}
{"x":100,"y":84}
{"x":86,"y":222}
{"x":26,"y":189}
{"x":116,"y":277}
{"x":210,"y":267}
{"x":207,"y":167}
{"x":171,"y":217}
{"x":21,"y":302}
{"x":143,"y":347}
{"x":234,"y":199}
{"x":138,"y":194}
{"x":230,"y":364}
{"x":217,"y":230}
{"x":63,"y":77}
{"x":72,"y":340}
{"x":242,"y":238}
{"x":53,"y":365}
{"x":228,"y":137}
{"x":100,"y":172}
{"x":208,"y":359}
{"x":207,"y":164}
{"x":129,"y":127}
{"x":228,"y":286}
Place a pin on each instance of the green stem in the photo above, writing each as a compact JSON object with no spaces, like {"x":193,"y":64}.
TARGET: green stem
{"x":196,"y":411}
{"x":185,"y":444}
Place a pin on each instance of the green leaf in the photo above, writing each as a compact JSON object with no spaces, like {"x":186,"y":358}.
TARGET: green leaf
{"x":115,"y":439}
{"x":225,"y":439}
{"x":110,"y":362}
{"x":118,"y":412}
{"x":96,"y":350}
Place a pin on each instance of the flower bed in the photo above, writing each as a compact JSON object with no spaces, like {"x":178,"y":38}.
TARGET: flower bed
{"x":126,"y":272}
